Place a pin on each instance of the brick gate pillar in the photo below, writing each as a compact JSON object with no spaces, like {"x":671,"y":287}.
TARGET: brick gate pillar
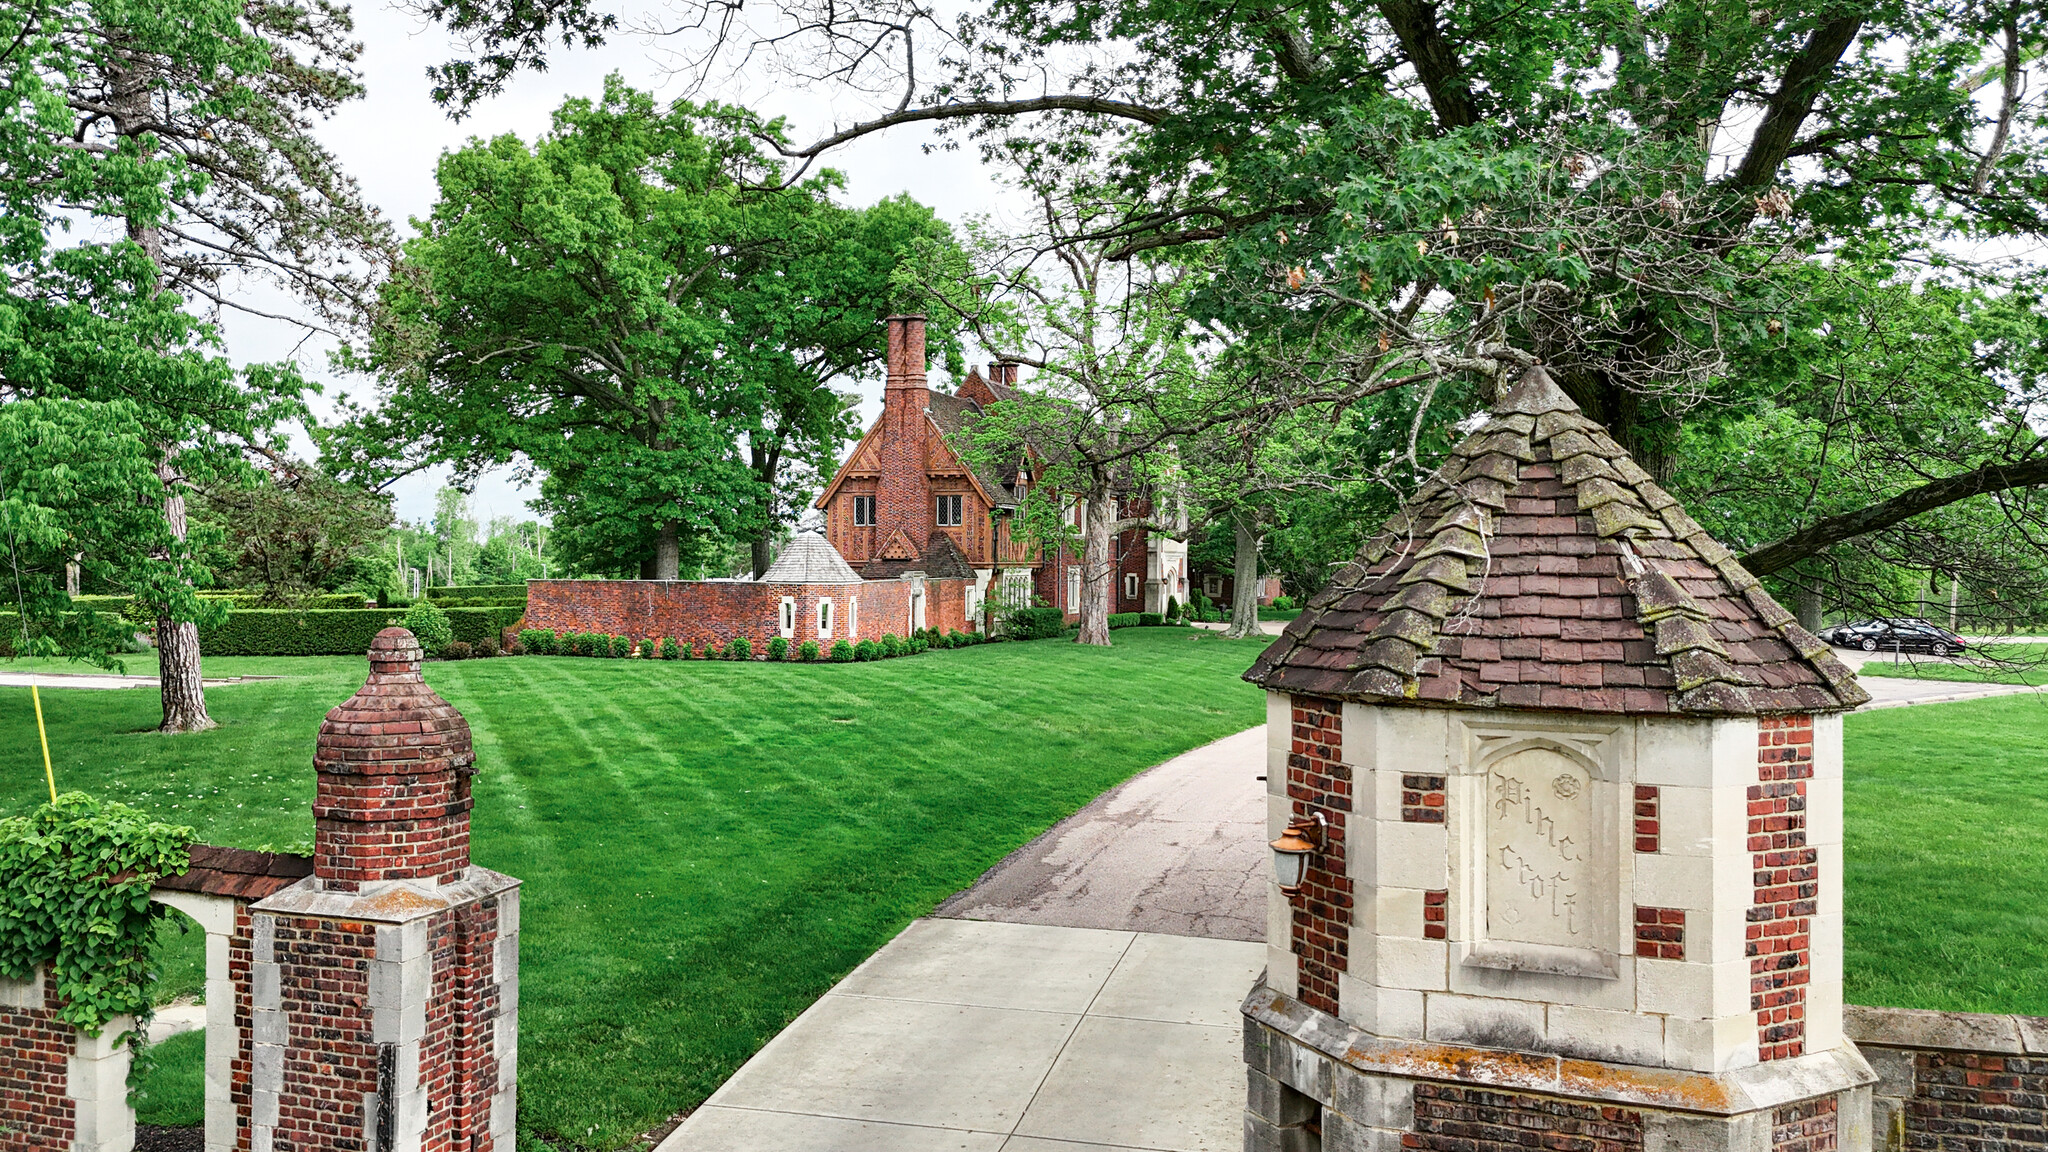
{"x":384,"y":987}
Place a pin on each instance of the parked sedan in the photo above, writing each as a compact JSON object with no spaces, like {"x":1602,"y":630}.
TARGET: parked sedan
{"x":1896,"y":636}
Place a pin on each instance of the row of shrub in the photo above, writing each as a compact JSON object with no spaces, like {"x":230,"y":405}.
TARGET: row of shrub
{"x":477,"y":595}
{"x":348,"y":632}
{"x":548,"y":642}
{"x":324,"y":600}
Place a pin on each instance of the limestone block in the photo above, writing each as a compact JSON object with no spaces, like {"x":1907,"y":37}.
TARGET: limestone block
{"x":1827,"y":746}
{"x":1685,"y":1132}
{"x":1343,"y":1134}
{"x":1301,"y":1068}
{"x":402,"y":942}
{"x":1824,"y":811}
{"x":1894,"y":1068}
{"x":1279,"y":811}
{"x":1394,"y":912}
{"x":1616,"y":991}
{"x":1854,"y":1110}
{"x":1398,"y":962}
{"x":96,"y":1079}
{"x":262,"y":937}
{"x":1686,"y":753}
{"x":1596,"y":1034}
{"x":1715,"y":1045}
{"x":1691,"y":988}
{"x":263,"y":985}
{"x":1828,"y":858}
{"x":1674,"y":882}
{"x":1374,"y":1101}
{"x":1686,"y":820}
{"x":1279,"y":738}
{"x":1484,"y":1022}
{"x":1405,"y":856}
{"x":1275,"y":1102}
{"x":1283,"y":967}
{"x":22,"y":993}
{"x":1258,"y":1045}
{"x":1395,"y":1012}
{"x":1260,"y":1136}
{"x":508,"y":914}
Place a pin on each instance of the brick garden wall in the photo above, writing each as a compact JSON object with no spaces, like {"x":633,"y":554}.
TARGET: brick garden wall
{"x":1319,"y":781}
{"x":700,"y":612}
{"x":1449,"y":1118}
{"x":1955,"y":1081}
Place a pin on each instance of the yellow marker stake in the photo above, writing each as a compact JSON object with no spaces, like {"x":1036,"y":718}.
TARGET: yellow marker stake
{"x":36,"y":695}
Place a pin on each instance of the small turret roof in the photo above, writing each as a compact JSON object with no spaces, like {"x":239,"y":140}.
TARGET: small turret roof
{"x":1541,"y":567}
{"x":810,"y":559}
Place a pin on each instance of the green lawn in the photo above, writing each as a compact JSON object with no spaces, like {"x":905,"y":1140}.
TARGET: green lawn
{"x":705,"y":847}
{"x":1947,"y":856}
{"x":1994,"y":663}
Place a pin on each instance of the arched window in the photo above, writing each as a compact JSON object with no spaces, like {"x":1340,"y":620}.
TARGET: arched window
{"x":824,"y":618}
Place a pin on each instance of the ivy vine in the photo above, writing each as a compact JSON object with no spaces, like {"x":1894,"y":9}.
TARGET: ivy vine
{"x":75,"y":876}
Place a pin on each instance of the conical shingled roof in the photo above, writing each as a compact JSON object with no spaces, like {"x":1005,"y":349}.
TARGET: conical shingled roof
{"x":1542,"y":568}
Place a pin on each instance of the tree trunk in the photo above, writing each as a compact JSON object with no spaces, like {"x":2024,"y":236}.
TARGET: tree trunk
{"x":177,"y":641}
{"x":668,"y":553}
{"x":1095,"y":572}
{"x":761,"y":557}
{"x":1244,"y":600}
{"x":1806,"y":605}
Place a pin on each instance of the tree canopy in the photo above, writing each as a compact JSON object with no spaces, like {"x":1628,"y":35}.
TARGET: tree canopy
{"x":639,"y":308}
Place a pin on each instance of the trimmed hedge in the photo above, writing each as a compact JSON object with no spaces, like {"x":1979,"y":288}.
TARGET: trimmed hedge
{"x":475,"y":625}
{"x":1035,"y":623}
{"x":477,"y":592}
{"x":1124,"y":619}
{"x":296,"y":632}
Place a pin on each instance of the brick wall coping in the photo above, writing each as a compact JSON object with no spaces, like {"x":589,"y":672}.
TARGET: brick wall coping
{"x":385,"y":901}
{"x":1952,"y":1031}
{"x":1736,"y":1092}
{"x":237,"y":872}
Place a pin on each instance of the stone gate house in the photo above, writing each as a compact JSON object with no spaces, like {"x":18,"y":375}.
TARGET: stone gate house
{"x":365,"y":1000}
{"x":1580,"y":886}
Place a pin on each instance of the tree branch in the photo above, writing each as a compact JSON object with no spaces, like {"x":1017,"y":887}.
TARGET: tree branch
{"x":1435,"y":60}
{"x":1912,"y":502}
{"x":1792,"y":103}
{"x":1099,"y":105}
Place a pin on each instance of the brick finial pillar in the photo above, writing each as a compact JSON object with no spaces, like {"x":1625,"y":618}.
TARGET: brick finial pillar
{"x":392,"y":797}
{"x":383,"y":989}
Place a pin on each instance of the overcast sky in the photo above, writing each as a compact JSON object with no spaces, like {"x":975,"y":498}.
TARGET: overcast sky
{"x":390,"y":140}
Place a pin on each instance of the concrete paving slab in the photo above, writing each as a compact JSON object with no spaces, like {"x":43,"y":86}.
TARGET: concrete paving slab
{"x":858,"y":1072}
{"x":1889,"y":692}
{"x":172,"y":1019}
{"x":1178,"y":849}
{"x":1181,"y":980}
{"x":719,"y":1129}
{"x":904,"y":1062}
{"x":1145,"y":1084}
{"x":990,"y":966}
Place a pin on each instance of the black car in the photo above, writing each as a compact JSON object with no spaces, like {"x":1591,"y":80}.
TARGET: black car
{"x":1896,"y":636}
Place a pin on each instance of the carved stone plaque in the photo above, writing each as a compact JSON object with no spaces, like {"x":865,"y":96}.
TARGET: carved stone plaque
{"x":1540,"y":860}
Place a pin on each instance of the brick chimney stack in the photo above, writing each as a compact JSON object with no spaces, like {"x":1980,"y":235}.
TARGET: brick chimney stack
{"x":393,"y":766}
{"x":905,"y":395}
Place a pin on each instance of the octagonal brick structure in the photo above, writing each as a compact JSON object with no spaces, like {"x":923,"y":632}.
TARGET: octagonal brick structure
{"x":1581,"y":776}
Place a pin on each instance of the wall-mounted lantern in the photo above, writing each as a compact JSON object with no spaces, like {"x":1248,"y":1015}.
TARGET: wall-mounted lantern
{"x":1291,"y":852}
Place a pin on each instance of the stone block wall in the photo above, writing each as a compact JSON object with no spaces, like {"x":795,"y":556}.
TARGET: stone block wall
{"x":60,"y":1088}
{"x":1955,"y":1081}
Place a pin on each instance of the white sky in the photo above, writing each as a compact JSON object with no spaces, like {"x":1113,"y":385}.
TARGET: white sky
{"x":390,"y":141}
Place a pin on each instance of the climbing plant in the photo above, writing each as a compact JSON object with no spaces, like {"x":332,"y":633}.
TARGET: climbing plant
{"x":75,"y":876}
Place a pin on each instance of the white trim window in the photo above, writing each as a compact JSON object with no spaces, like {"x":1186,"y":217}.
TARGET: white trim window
{"x":853,"y":618}
{"x":1212,"y":585}
{"x":863,"y":511}
{"x":1130,"y":585}
{"x":787,"y":618}
{"x":1073,"y":589}
{"x":824,"y":619}
{"x":950,"y":510}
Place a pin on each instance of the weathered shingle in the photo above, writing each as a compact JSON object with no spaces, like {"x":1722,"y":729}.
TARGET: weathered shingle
{"x":1543,"y":568}
{"x":810,"y":559}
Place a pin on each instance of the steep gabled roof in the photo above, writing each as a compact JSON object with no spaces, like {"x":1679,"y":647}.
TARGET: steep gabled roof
{"x":809,"y":559}
{"x":1542,"y":568}
{"x":951,"y":416}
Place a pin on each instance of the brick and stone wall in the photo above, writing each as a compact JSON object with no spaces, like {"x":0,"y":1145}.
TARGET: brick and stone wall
{"x":1457,"y":1118}
{"x":1787,"y":886}
{"x":700,"y":612}
{"x":59,"y":1088}
{"x":1955,"y":1081}
{"x":1319,"y":782}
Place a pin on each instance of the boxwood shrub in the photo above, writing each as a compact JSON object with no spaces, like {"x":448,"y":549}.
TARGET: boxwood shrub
{"x":891,"y":646}
{"x":669,"y":650}
{"x":296,"y":632}
{"x":1151,"y":619}
{"x":1124,"y":619}
{"x":807,"y":652}
{"x":842,"y":652}
{"x":647,"y":649}
{"x":778,"y":649}
{"x":1034,"y":623}
{"x":537,"y":641}
{"x":739,"y":648}
{"x":618,"y":647}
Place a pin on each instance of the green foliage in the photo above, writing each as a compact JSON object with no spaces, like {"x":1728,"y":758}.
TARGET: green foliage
{"x":477,"y":595}
{"x":867,"y":650}
{"x":1283,"y":603}
{"x":1124,"y":619}
{"x":539,"y":641}
{"x":670,"y":650}
{"x":75,"y":877}
{"x":891,"y":646}
{"x":1172,"y":608}
{"x":842,"y":652}
{"x":683,"y":652}
{"x":429,"y":625}
{"x":293,"y":532}
{"x":807,"y":652}
{"x":1150,"y":619}
{"x":778,"y":649}
{"x":300,"y":632}
{"x":455,"y":650}
{"x":739,"y":648}
{"x":648,"y":293}
{"x":618,"y":647}
{"x":647,"y":648}
{"x":1033,"y":623}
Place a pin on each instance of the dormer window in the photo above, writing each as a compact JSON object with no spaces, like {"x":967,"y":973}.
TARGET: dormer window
{"x":863,"y":511}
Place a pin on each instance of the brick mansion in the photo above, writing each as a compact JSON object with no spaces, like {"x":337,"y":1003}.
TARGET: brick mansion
{"x":914,"y":537}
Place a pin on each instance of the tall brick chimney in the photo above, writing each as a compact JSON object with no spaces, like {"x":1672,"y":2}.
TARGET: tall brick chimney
{"x":903,"y":495}
{"x":906,"y":395}
{"x":393,"y":763}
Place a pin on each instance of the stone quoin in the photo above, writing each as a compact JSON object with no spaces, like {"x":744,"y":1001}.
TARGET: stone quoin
{"x":1581,"y":775}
